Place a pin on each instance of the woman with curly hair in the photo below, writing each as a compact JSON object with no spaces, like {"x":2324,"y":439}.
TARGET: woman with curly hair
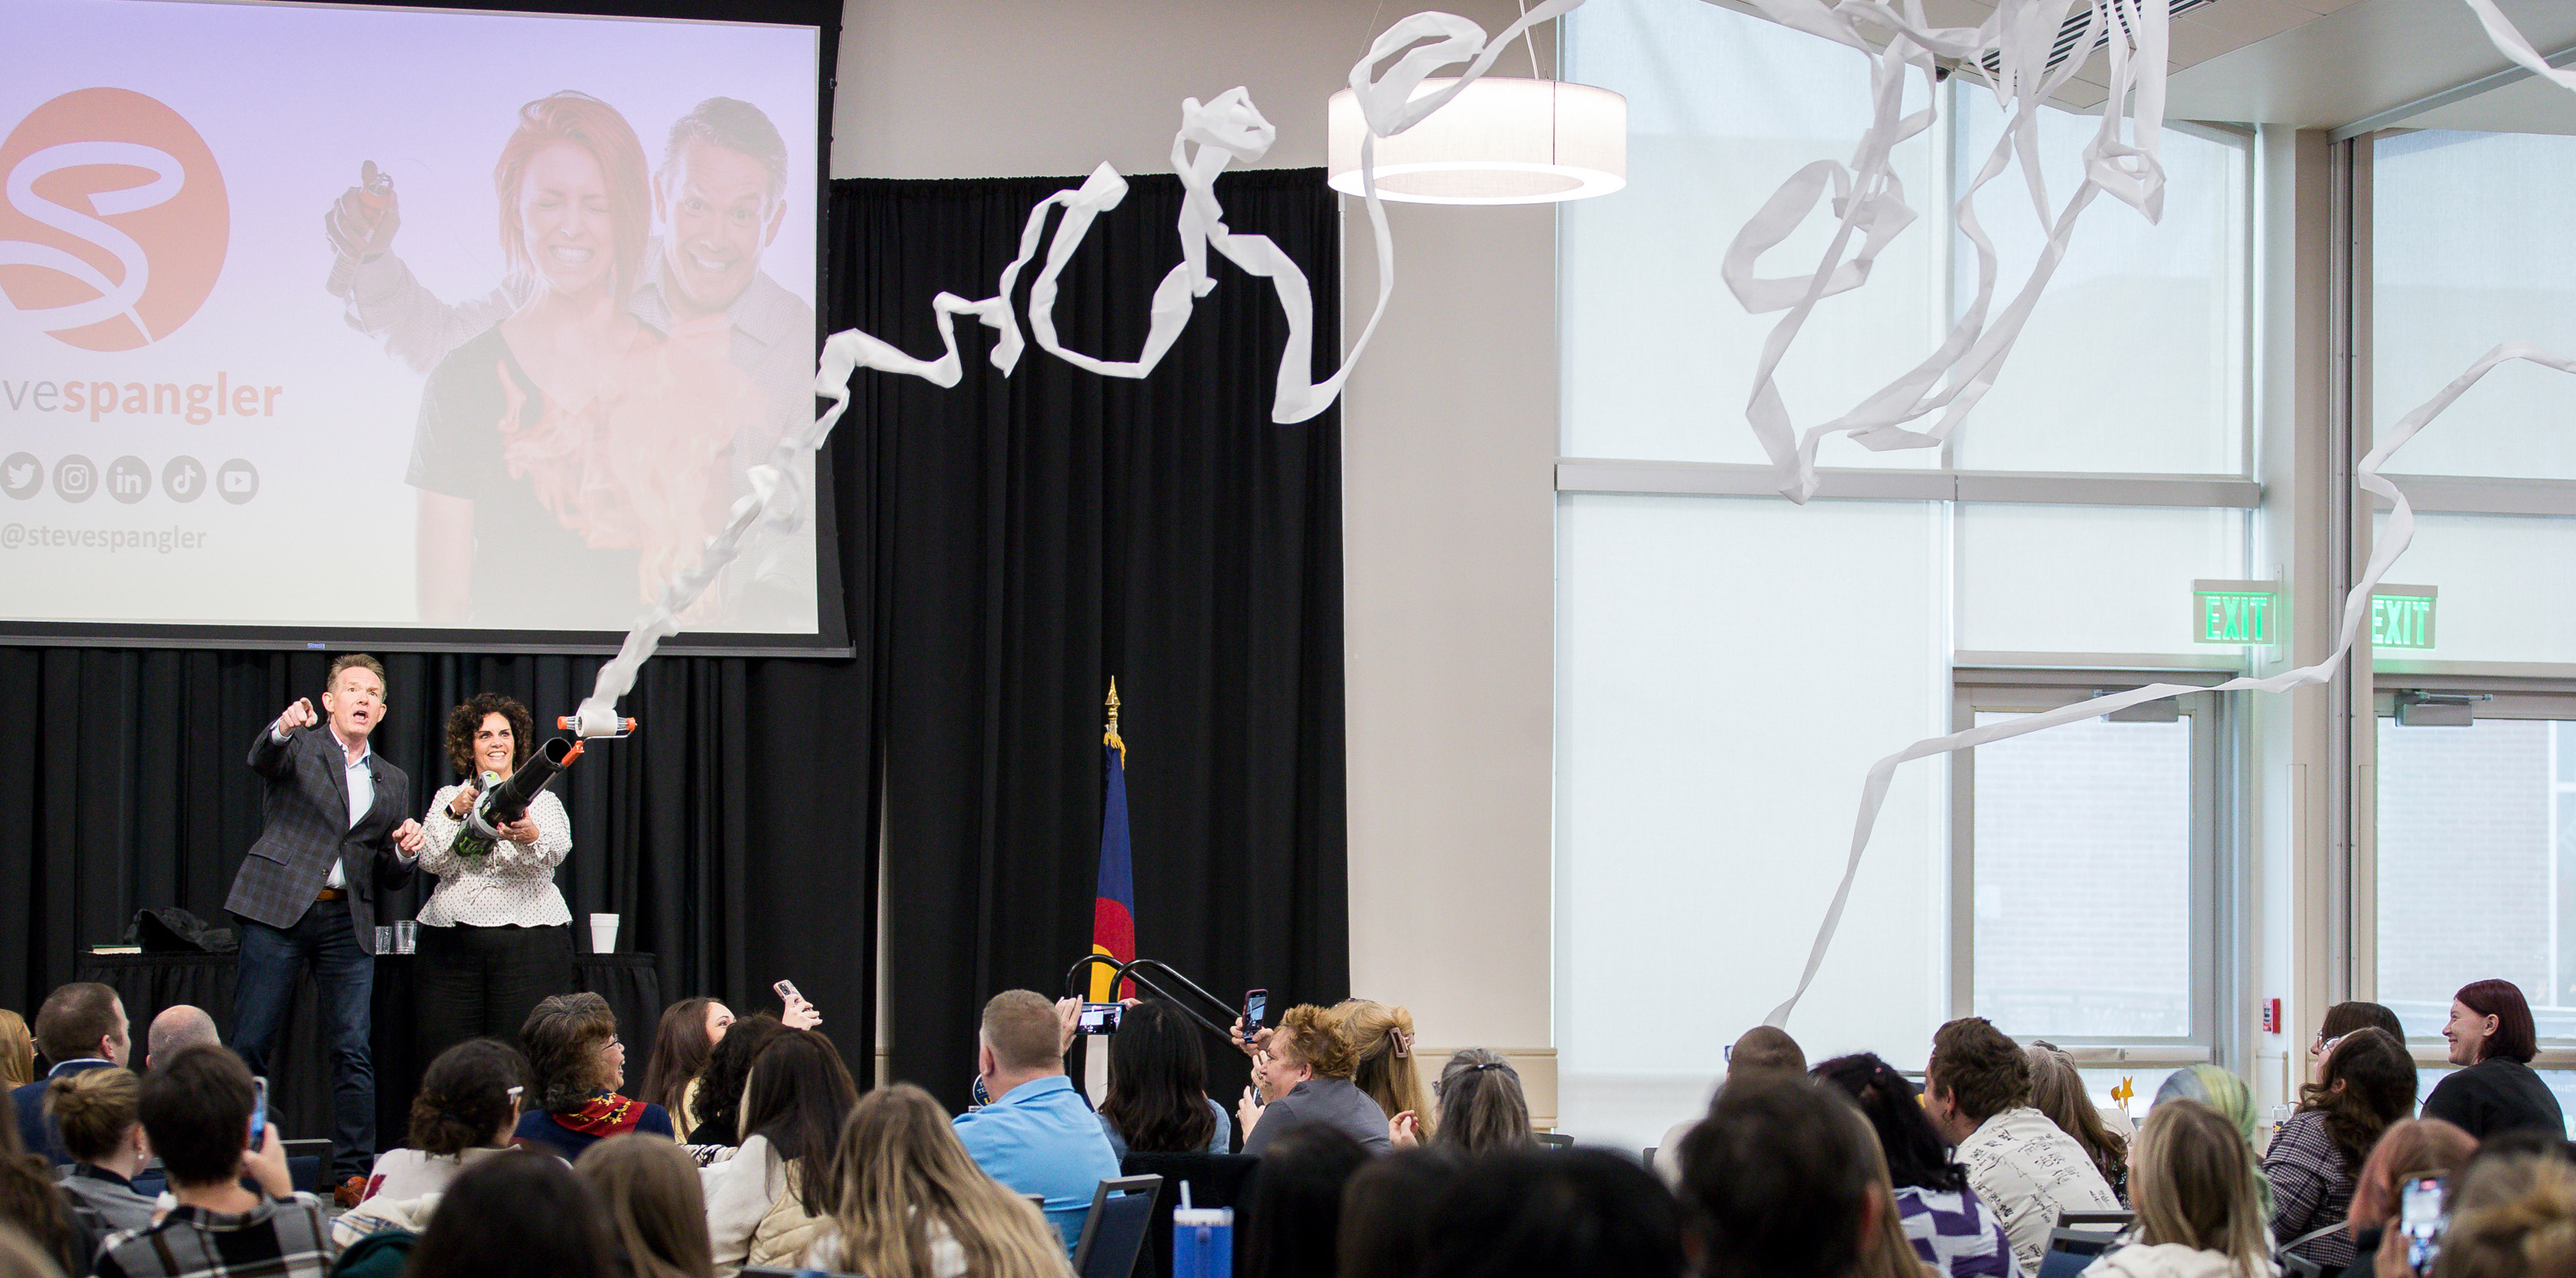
{"x":1302,"y":1073}
{"x":577,"y":1066}
{"x":2316,"y":1161}
{"x":495,"y":936}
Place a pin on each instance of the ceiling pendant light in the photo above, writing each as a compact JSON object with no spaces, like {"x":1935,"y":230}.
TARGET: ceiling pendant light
{"x":1500,"y":141}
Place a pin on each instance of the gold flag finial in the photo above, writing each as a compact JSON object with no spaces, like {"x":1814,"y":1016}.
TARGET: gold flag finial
{"x":1109,"y":735}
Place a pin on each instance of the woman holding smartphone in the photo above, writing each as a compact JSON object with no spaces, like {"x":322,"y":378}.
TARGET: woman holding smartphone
{"x":495,"y":936}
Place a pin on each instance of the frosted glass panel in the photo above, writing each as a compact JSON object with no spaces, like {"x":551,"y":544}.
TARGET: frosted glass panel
{"x":2473,"y":242}
{"x":2500,"y":600}
{"x":2086,"y":811}
{"x":1728,"y":668}
{"x":1658,"y":356}
{"x":2090,"y":578}
{"x":2134,"y":358}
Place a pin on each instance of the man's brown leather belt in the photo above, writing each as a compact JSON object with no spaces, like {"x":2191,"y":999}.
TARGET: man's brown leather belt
{"x":330,"y":894}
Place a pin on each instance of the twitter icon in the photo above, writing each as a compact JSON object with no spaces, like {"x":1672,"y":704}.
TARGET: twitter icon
{"x":21,"y":475}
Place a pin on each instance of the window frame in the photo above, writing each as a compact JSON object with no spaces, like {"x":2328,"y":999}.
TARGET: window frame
{"x":2216,"y":891}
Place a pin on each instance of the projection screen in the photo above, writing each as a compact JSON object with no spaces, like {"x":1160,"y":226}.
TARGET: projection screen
{"x":398,"y":322}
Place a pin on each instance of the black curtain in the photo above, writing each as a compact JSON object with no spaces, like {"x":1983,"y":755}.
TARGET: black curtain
{"x":1037,"y":535}
{"x":1005,"y":548}
{"x":735,"y":852}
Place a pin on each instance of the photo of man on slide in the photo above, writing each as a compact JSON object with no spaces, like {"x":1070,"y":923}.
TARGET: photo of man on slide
{"x":589,"y":421}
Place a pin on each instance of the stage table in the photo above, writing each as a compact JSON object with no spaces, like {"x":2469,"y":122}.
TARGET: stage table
{"x":299,"y":1078}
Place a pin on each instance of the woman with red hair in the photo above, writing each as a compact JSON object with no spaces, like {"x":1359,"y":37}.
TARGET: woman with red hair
{"x":570,"y":459}
{"x":2490,"y":1032}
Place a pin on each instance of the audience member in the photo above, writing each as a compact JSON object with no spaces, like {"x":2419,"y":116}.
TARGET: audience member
{"x":656,"y":1210}
{"x":2408,"y":1149}
{"x":2516,"y":1220}
{"x":2490,"y":1033}
{"x":1037,"y":1134}
{"x":29,"y":1204}
{"x":1386,"y":1217}
{"x":1290,"y":1212}
{"x":1381,"y":1039}
{"x":2057,"y":1090}
{"x":178,"y":1026}
{"x":1304,"y":1076}
{"x":17,"y":1050}
{"x":2342,"y":1019}
{"x":467,"y":1110}
{"x":1779,"y":1174}
{"x":100,"y":1117}
{"x":1763,"y":1047}
{"x":1518,"y":1214}
{"x":2315,"y":1160}
{"x":1950,"y":1229}
{"x":690,"y":1030}
{"x":577,"y":1065}
{"x":1482,"y":1106}
{"x":718,"y":1097}
{"x":2198,"y":1213}
{"x":517,"y":1218}
{"x":1157,"y":1102}
{"x":2019,"y":1163}
{"x":196,"y":1109}
{"x":769,"y":1202}
{"x":80,"y":1027}
{"x":914,"y":1204}
{"x":2234,"y":1101}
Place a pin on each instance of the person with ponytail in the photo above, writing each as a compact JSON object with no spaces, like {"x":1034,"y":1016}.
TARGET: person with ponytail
{"x":101,"y":1119}
{"x":1482,"y":1106}
{"x":1381,"y":1039}
{"x":466,"y":1110}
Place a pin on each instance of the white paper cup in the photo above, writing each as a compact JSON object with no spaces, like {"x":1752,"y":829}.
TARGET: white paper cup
{"x":603,"y":934}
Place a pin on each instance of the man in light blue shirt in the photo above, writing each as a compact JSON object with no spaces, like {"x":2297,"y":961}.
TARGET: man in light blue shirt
{"x":1038,"y":1135}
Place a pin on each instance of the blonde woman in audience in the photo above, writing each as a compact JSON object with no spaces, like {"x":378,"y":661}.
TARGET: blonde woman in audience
{"x":102,"y":1124}
{"x":655,"y":1207}
{"x":2198,"y":1213}
{"x":2058,"y":1091}
{"x":17,"y":1050}
{"x":913,"y":1205}
{"x":2511,"y":1217}
{"x":769,"y":1202}
{"x":1381,"y":1039}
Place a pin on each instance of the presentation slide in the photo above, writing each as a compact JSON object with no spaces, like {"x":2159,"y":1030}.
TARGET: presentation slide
{"x":351,"y":317}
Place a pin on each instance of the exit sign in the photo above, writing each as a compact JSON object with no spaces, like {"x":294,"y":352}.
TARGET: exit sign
{"x":2402,"y":616}
{"x":2236,"y":612}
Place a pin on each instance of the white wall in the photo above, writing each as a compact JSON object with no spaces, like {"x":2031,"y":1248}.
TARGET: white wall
{"x":1449,"y":445}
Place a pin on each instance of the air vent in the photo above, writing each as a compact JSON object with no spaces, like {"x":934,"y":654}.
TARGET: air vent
{"x":2072,"y":31}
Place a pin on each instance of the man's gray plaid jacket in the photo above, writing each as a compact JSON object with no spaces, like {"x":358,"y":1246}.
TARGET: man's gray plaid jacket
{"x":307,"y":811}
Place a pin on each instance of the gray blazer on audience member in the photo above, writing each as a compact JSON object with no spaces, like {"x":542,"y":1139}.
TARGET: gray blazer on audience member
{"x":307,"y":827}
{"x":1333,"y":1102}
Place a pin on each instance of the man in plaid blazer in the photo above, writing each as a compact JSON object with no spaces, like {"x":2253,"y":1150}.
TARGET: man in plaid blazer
{"x":339,"y":831}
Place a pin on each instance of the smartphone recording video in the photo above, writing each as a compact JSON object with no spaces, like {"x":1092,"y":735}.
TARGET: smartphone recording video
{"x":1098,"y":1018}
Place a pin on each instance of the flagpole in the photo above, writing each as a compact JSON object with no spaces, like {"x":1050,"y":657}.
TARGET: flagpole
{"x":1095,"y":1053}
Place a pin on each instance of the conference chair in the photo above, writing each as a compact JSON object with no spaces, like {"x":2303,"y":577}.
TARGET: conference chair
{"x":1113,"y":1235}
{"x":1214,"y":1180}
{"x":768,"y":1271}
{"x":2079,"y":1238}
{"x":1554,"y":1140}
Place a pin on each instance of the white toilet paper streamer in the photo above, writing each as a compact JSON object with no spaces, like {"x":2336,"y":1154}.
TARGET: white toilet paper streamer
{"x":2392,"y":542}
{"x":1211,"y":135}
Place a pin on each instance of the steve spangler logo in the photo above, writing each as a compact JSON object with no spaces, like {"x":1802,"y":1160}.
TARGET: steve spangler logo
{"x":113,"y":221}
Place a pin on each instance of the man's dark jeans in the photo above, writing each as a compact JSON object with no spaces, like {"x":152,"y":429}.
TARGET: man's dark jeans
{"x":344,"y":980}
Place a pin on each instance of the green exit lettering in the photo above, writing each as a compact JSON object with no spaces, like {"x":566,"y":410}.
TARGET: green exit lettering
{"x":2235,"y":617}
{"x":2401,"y":621}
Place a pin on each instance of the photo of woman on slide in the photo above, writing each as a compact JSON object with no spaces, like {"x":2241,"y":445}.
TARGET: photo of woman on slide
{"x":570,"y":433}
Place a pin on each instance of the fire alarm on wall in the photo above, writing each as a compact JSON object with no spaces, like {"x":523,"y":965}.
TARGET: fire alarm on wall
{"x":2272,"y":1016}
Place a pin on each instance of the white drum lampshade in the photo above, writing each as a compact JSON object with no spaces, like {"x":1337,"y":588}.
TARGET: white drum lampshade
{"x":1500,"y":141}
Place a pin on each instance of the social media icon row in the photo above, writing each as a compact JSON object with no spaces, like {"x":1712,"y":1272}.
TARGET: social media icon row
{"x":127,"y":479}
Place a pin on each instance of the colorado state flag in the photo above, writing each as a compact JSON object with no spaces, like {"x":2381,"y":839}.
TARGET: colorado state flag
{"x":1113,"y":908}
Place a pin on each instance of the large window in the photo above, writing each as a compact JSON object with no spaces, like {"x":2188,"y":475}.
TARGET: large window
{"x":1729,"y":665}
